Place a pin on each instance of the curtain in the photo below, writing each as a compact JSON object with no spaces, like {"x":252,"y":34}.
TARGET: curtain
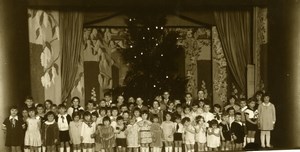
{"x":235,"y":34}
{"x":71,"y":29}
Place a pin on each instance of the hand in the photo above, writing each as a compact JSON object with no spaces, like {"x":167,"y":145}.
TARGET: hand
{"x":170,"y":136}
{"x":92,"y":135}
{"x":23,"y":126}
{"x":234,"y":137}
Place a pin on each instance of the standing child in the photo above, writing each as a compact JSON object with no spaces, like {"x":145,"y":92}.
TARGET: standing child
{"x":200,"y":133}
{"x":157,"y":134}
{"x":168,"y":132}
{"x":120,"y":135}
{"x":114,"y":115}
{"x":87,"y":132}
{"x":217,"y":112}
{"x":102,"y":114}
{"x":178,"y":133}
{"x":33,"y":134}
{"x":13,"y":127}
{"x":225,"y":133}
{"x":25,"y":116}
{"x":145,"y":134}
{"x":207,"y":115}
{"x":75,"y":106}
{"x":189,"y":135}
{"x":48,"y":105}
{"x":266,"y":120}
{"x":74,"y":131}
{"x":90,"y":106}
{"x":63,"y":120}
{"x":238,"y":132}
{"x":213,"y":136}
{"x":107,"y":135}
{"x":132,"y":136}
{"x":137,"y":114}
{"x":187,"y":113}
{"x":40,"y":113}
{"x":50,"y":132}
{"x":251,"y":121}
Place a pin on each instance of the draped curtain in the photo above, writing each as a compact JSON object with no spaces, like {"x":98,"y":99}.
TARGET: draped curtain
{"x":71,"y":30}
{"x":235,"y":34}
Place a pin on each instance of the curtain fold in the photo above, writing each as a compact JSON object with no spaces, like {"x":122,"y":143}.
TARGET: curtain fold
{"x":234,"y":28}
{"x":71,"y":29}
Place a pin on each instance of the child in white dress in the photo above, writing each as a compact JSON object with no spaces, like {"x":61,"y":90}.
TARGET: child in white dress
{"x":33,"y":135}
{"x":189,"y":135}
{"x":87,"y":132}
{"x":75,"y":131}
{"x":213,"y":136}
{"x":200,"y":133}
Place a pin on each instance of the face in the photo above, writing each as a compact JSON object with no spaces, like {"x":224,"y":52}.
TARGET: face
{"x":171,"y":105}
{"x":216,"y":109}
{"x":75,"y":102}
{"x":179,"y":109}
{"x":206,"y":108}
{"x":31,"y":114}
{"x":94,"y":118}
{"x":90,"y":106}
{"x":155,"y":120}
{"x":48,"y":105}
{"x":13,"y":112}
{"x":28,"y":102}
{"x":155,"y":105}
{"x":252,"y":104}
{"x":132,"y":121}
{"x":108,"y":113}
{"x":125,"y":115}
{"x":120,"y":122}
{"x":54,"y":109}
{"x":102,"y":112}
{"x":50,"y":118}
{"x":187,"y":110}
{"x":232,"y":101}
{"x":136,"y":113}
{"x":225,"y":118}
{"x":40,"y":110}
{"x":131,"y":100}
{"x":195,"y":108}
{"x":107,"y":98}
{"x":266,"y":99}
{"x":102,"y":103}
{"x":214,"y":126}
{"x":168,"y":117}
{"x":243,"y":103}
{"x":131,"y":106}
{"x":139,"y":101}
{"x":238,"y":117}
{"x":166,"y":95}
{"x":188,"y":97}
{"x":114,"y":112}
{"x":87,"y":118}
{"x":201,"y":104}
{"x":200,"y":94}
{"x":231,"y":112}
{"x":62,"y":110}
{"x":120,"y":99}
{"x":187,"y":123}
{"x":158,"y":98}
{"x":124,"y":108}
{"x":178,"y":120}
{"x":25,"y":113}
{"x":76,"y":118}
{"x":258,"y":97}
{"x":144,"y":116}
{"x":106,"y":123}
{"x":201,"y":120}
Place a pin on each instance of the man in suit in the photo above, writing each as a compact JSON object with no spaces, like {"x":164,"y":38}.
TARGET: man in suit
{"x":188,"y":100}
{"x":139,"y":104}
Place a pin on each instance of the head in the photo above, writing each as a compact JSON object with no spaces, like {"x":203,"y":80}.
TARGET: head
{"x":231,"y":111}
{"x":40,"y":109}
{"x":158,"y":98}
{"x":136,"y":112}
{"x":179,"y":108}
{"x":87,"y":116}
{"x":166,"y":95}
{"x":94,"y":116}
{"x":199,"y":119}
{"x":201,"y":103}
{"x":259,"y":95}
{"x":106,"y":121}
{"x":144,"y":114}
{"x":168,"y":116}
{"x":123,"y":108}
{"x":120,"y":99}
{"x":200,"y":94}
{"x":186,"y":121}
{"x":102,"y":111}
{"x":232,"y":100}
{"x":54,"y":108}
{"x":132,"y":120}
{"x":188,"y":97}
{"x":266,"y":98}
{"x":107,"y":97}
{"x":29,"y":101}
{"x":217,"y":108}
{"x":62,"y":109}
{"x":14,"y":111}
{"x":177,"y":118}
{"x":194,"y":107}
{"x":108,"y":111}
{"x":131,"y":100}
{"x":48,"y":104}
{"x":155,"y":118}
{"x":206,"y":108}
{"x":155,"y":104}
{"x":243,"y":102}
{"x":171,"y":105}
{"x":187,"y":110}
{"x":76,"y":116}
{"x":114,"y":111}
{"x":214,"y":123}
{"x":75,"y":101}
{"x":131,"y":106}
{"x":50,"y":116}
{"x":31,"y":112}
{"x":238,"y":117}
{"x":120,"y":120}
{"x":139,"y":101}
{"x":25,"y":113}
{"x":251,"y":103}
{"x":126,"y":115}
{"x":102,"y":103}
{"x":90,"y":105}
{"x":225,"y":117}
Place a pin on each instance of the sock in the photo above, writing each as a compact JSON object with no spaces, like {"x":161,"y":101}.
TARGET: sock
{"x":170,"y":149}
{"x":262,"y":138}
{"x":67,"y":149}
{"x":179,"y":149}
{"x":252,"y":140}
{"x":26,"y":150}
{"x":248,"y":140}
{"x":90,"y":150}
{"x":268,"y":138}
{"x":61,"y":149}
{"x":147,"y":149}
{"x":166,"y":149}
{"x":84,"y":150}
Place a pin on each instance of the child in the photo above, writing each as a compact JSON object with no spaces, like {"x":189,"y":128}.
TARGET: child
{"x":114,"y":115}
{"x":266,"y":120}
{"x":123,"y":108}
{"x":87,"y":132}
{"x":157,"y":134}
{"x":189,"y":135}
{"x":74,"y":131}
{"x":29,"y":102}
{"x":48,"y":105}
{"x":40,"y":113}
{"x":225,"y":133}
{"x":208,"y":116}
{"x":232,"y":104}
{"x":201,"y":106}
{"x":75,"y":106}
{"x":33,"y":135}
{"x":237,"y":130}
{"x":137,"y":114}
{"x":168,"y":132}
{"x":63,"y":120}
{"x":24,"y":117}
{"x":213,"y":136}
{"x":126,"y":117}
{"x":54,"y":109}
{"x":102,"y":114}
{"x":90,"y":106}
{"x":178,"y":133}
{"x":106,"y":134}
{"x":231,"y":116}
{"x":187,"y":113}
{"x":194,"y":111}
{"x":155,"y":110}
{"x":200,"y":133}
{"x":14,"y":127}
{"x":217,"y":113}
{"x":102,"y":103}
{"x":50,"y":132}
{"x":94,"y":117}
{"x":145,"y":134}
{"x":179,"y":110}
{"x":120,"y":135}
{"x":132,"y":134}
{"x":251,"y":121}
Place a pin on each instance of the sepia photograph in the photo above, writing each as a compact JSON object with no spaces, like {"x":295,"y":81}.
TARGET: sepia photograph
{"x":149,"y":75}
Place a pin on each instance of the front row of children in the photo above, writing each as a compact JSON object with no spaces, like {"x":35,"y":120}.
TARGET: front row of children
{"x":88,"y":133}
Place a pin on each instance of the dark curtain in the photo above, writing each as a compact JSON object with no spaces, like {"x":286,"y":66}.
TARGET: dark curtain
{"x":235,"y":34}
{"x":71,"y":30}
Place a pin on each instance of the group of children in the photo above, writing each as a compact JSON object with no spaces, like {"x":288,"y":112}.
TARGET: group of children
{"x":164,"y":126}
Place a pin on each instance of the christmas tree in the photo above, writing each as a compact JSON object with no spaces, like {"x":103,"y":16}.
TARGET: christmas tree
{"x":152,"y":56}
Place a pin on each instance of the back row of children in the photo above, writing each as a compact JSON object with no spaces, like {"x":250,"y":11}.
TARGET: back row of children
{"x":127,"y":127}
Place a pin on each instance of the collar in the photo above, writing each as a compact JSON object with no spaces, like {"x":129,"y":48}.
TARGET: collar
{"x":49,"y":123}
{"x":64,"y":115}
{"x":266,"y":104}
{"x":15,"y":117}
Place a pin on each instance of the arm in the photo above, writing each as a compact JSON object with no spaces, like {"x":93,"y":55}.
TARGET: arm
{"x":248,"y":119}
{"x":191,"y":130}
{"x":82,"y":131}
{"x":56,"y":132}
{"x":221,"y":133}
{"x":274,"y":114}
{"x":217,"y":134}
{"x":70,"y":133}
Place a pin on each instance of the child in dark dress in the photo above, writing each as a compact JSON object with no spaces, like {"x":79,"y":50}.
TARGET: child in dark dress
{"x":238,"y":132}
{"x":14,"y":127}
{"x":50,"y":132}
{"x":225,"y":133}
